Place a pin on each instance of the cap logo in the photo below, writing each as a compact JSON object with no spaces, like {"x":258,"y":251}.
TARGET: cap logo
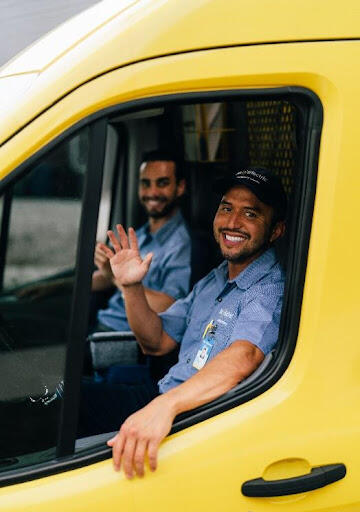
{"x":250,"y":174}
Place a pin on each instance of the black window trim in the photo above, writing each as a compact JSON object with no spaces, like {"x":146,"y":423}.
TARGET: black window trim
{"x":82,"y":287}
{"x":293,"y":289}
{"x":4,"y":234}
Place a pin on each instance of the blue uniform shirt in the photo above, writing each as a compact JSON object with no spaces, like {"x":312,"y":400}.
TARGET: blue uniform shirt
{"x":169,"y":270}
{"x":245,"y":308}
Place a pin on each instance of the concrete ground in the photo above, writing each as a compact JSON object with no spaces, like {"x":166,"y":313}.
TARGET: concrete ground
{"x":43,"y":238}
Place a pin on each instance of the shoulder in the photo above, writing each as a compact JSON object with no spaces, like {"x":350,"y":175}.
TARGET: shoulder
{"x":268,"y":269}
{"x":180,"y":233}
{"x":211,"y":278}
{"x":178,"y":241}
{"x":270,"y":287}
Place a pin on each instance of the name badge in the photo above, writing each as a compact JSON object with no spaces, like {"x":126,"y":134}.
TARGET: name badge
{"x":208,"y":341}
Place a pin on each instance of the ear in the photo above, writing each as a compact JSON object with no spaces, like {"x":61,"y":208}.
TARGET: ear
{"x":180,"y":188}
{"x":278,"y":231}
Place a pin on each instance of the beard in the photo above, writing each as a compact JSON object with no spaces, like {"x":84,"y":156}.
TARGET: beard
{"x":169,"y":207}
{"x":253,"y":248}
{"x":245,"y":254}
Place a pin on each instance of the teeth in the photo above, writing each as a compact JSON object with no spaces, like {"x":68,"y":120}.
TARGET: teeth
{"x":234,"y":238}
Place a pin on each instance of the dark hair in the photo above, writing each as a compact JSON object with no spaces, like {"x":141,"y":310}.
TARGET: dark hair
{"x":160,"y":155}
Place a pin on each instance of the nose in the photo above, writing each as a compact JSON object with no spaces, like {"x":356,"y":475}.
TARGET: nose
{"x":153,"y":190}
{"x":234,"y":220}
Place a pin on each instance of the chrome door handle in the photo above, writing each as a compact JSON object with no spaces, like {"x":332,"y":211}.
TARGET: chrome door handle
{"x":318,"y":477}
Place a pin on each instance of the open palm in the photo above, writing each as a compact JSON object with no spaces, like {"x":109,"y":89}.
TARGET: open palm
{"x":126,"y":263}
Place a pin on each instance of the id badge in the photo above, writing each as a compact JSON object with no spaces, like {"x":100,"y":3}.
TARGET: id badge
{"x":208,"y":341}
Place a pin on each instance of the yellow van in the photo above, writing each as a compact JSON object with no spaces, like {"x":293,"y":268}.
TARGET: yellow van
{"x":228,"y":84}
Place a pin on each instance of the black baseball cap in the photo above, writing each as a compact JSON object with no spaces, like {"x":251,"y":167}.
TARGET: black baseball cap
{"x":262,"y":182}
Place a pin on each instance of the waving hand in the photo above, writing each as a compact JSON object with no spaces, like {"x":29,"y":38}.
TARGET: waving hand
{"x":126,"y":263}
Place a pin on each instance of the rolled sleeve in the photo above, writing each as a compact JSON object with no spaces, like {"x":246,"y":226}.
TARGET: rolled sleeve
{"x":175,"y":318}
{"x":259,"y":320}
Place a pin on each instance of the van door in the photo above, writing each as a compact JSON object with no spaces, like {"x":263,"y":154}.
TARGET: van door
{"x":300,"y":420}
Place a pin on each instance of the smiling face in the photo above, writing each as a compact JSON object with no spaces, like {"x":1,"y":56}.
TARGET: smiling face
{"x":243,"y":226}
{"x":158,"y":188}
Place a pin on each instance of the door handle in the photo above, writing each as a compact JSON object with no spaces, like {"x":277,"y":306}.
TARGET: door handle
{"x":318,"y":477}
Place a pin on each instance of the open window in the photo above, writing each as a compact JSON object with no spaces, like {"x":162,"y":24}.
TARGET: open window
{"x":60,"y":195}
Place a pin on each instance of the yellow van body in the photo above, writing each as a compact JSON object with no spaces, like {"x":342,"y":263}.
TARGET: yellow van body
{"x":138,"y":49}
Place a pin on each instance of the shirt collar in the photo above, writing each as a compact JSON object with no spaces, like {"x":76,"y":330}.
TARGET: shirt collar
{"x":163,"y":234}
{"x":251,"y":274}
{"x":256,"y":270}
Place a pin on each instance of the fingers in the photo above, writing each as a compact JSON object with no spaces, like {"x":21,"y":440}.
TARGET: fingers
{"x":133,"y":240}
{"x":139,"y":457}
{"x":114,"y":241}
{"x":130,"y":451}
{"x":128,"y":456}
{"x":117,"y":444}
{"x":112,"y":441}
{"x":152,"y":454}
{"x":104,"y":251}
{"x":124,"y":242}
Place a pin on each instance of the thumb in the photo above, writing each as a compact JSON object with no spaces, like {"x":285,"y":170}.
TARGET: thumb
{"x":147,"y":261}
{"x":111,"y":441}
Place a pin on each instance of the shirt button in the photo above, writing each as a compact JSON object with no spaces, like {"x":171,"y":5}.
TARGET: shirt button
{"x":219,"y":299}
{"x":188,"y":361}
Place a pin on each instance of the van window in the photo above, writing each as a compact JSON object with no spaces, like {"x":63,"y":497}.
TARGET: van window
{"x":215,"y":137}
{"x":43,"y":209}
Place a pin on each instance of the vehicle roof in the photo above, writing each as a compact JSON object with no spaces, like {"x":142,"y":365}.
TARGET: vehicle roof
{"x":83,"y":47}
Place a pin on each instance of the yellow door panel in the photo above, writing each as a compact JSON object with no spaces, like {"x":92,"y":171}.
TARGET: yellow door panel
{"x":310,"y":417}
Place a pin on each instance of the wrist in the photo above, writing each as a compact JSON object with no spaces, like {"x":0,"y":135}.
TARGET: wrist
{"x":128,"y":288}
{"x":169,"y":400}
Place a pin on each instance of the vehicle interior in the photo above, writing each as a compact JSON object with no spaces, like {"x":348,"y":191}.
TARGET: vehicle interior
{"x":212,"y":141}
{"x":43,"y":218}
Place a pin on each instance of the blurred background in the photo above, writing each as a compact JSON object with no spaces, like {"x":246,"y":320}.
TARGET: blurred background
{"x":49,"y":199}
{"x":24,"y":21}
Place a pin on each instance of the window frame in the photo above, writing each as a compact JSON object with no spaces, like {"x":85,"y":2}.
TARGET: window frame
{"x":305,"y":186}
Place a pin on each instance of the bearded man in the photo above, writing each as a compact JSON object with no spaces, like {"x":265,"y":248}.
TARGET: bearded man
{"x":161,"y":184}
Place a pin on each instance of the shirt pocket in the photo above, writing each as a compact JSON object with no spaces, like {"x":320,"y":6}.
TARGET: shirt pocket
{"x":197,"y":320}
{"x":225,"y":321}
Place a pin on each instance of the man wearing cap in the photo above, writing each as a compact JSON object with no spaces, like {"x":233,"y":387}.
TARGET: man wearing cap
{"x":225,"y":326}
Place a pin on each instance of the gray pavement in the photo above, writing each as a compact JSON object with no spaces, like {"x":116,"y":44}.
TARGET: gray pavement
{"x":43,"y":239}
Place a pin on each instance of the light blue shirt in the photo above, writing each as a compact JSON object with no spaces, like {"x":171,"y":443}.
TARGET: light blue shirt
{"x":169,"y":270}
{"x":245,"y":308}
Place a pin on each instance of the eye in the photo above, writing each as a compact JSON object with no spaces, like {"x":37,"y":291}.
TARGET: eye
{"x":144,"y":184}
{"x":163,"y":183}
{"x":250,"y":214}
{"x":225,"y":208}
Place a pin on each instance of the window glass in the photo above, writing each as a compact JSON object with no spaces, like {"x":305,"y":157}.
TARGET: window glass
{"x":211,"y":140}
{"x":40,"y":249}
{"x":45,"y":213}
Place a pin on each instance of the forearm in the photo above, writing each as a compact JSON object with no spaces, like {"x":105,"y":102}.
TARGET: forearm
{"x":146,"y":428}
{"x":100,"y":282}
{"x":215,"y":378}
{"x":158,"y":301}
{"x":144,"y":322}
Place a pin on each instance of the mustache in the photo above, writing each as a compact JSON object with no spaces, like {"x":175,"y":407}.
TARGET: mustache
{"x":161,"y":199}
{"x":234,"y":231}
